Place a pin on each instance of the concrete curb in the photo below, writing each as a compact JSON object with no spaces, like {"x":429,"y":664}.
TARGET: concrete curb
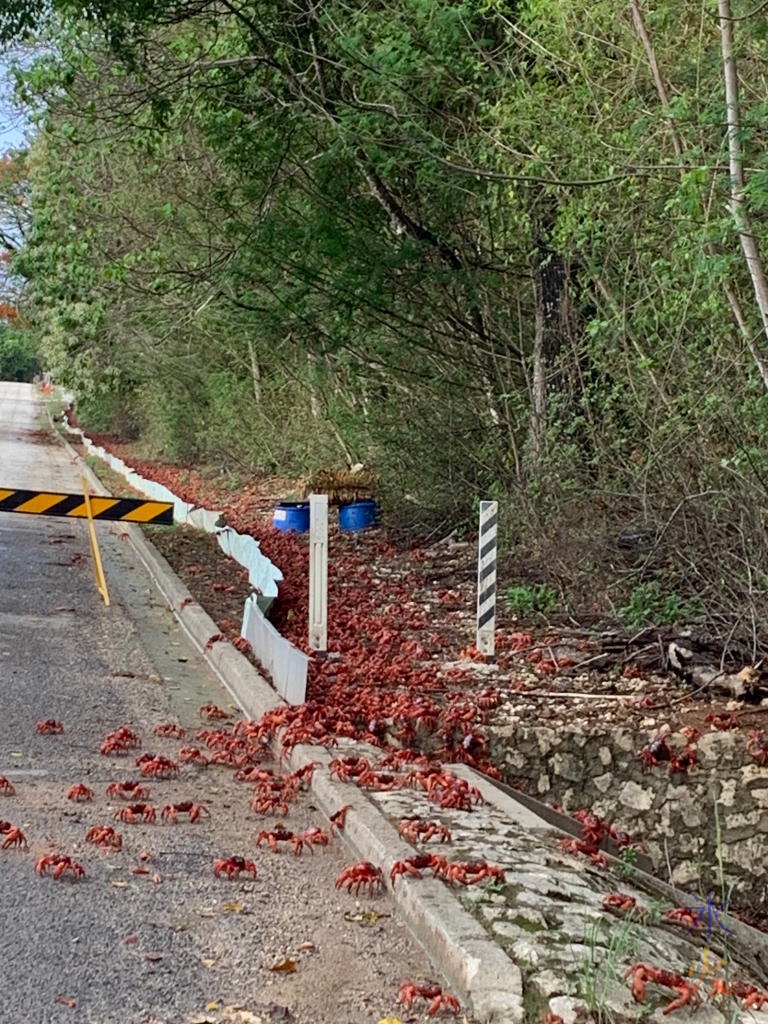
{"x":474,"y":966}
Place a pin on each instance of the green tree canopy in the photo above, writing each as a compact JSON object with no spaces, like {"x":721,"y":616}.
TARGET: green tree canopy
{"x":484,"y":245}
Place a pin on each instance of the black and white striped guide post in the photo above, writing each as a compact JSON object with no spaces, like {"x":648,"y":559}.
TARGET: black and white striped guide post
{"x":486,"y":578}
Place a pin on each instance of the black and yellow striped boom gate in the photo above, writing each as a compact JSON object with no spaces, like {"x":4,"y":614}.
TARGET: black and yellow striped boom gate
{"x":90,"y":507}
{"x":75,"y":506}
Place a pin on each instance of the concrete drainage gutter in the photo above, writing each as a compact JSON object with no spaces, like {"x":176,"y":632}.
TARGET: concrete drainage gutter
{"x":473,"y":965}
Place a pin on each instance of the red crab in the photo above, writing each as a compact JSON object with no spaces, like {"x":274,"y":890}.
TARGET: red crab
{"x":6,"y":788}
{"x":659,"y":751}
{"x":310,"y":838}
{"x":60,"y":865}
{"x":120,"y":741}
{"x":49,"y":727}
{"x":684,"y":916}
{"x":279,"y":834}
{"x":128,"y":790}
{"x":269,"y":803}
{"x":169,"y":729}
{"x":683,"y":760}
{"x":192,"y":755}
{"x":415,"y":829}
{"x":361,"y":875}
{"x":233,"y":866}
{"x":302,"y":777}
{"x":438,"y":1000}
{"x":655,"y":753}
{"x":757,"y":746}
{"x":472,"y":872}
{"x":134,"y":813}
{"x":593,"y":829}
{"x":752,"y":998}
{"x":488,"y":699}
{"x":339,"y":818}
{"x":242,"y":645}
{"x":413,"y":866}
{"x":105,"y":837}
{"x":577,"y":846}
{"x":379,"y":781}
{"x":623,"y":903}
{"x":255,"y":774}
{"x":13,"y":837}
{"x":172,"y":811}
{"x":723,"y":722}
{"x":211,"y":712}
{"x":346,"y":768}
{"x":79,"y":792}
{"x":157,"y":767}
{"x":641,"y":974}
{"x":448,"y":790}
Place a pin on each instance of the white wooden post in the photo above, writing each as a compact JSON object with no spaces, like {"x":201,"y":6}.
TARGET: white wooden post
{"x":486,"y":578}
{"x":318,"y":572}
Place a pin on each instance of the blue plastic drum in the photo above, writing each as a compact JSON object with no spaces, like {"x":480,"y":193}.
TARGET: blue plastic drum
{"x":291,"y":515}
{"x":358,"y":515}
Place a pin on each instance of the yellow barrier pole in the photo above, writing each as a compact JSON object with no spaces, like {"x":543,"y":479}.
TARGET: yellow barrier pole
{"x":101,"y":582}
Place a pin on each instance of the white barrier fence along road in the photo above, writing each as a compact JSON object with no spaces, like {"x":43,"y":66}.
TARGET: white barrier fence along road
{"x":286,"y":664}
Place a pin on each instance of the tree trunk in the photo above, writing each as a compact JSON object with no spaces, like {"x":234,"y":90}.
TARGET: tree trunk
{"x":552,"y":330}
{"x":255,"y":372}
{"x":731,"y":86}
{"x":738,"y":205}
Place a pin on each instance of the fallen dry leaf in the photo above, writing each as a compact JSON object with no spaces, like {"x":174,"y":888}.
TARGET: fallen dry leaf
{"x":157,"y":879}
{"x":140,"y":871}
{"x":232,"y":907}
{"x":153,"y":957}
{"x":239,"y":1015}
{"x":286,"y":966}
{"x":131,"y":940}
{"x":212,"y":1005}
{"x":119,"y":885}
{"x":364,"y":917}
{"x":66,"y":1001}
{"x":205,"y":911}
{"x":306,"y":945}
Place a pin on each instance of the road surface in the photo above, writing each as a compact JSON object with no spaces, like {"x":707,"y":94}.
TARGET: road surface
{"x":116,"y":946}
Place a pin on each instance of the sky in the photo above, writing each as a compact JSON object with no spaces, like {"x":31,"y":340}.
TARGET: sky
{"x":13,"y":123}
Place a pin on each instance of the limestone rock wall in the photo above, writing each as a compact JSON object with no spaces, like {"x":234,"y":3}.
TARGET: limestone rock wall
{"x":690,"y":823}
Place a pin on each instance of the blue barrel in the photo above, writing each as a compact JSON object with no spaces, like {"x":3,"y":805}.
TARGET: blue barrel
{"x":291,"y":515}
{"x":358,"y":515}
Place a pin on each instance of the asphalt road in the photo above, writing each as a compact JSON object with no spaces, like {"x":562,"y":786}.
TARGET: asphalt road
{"x":117,"y":945}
